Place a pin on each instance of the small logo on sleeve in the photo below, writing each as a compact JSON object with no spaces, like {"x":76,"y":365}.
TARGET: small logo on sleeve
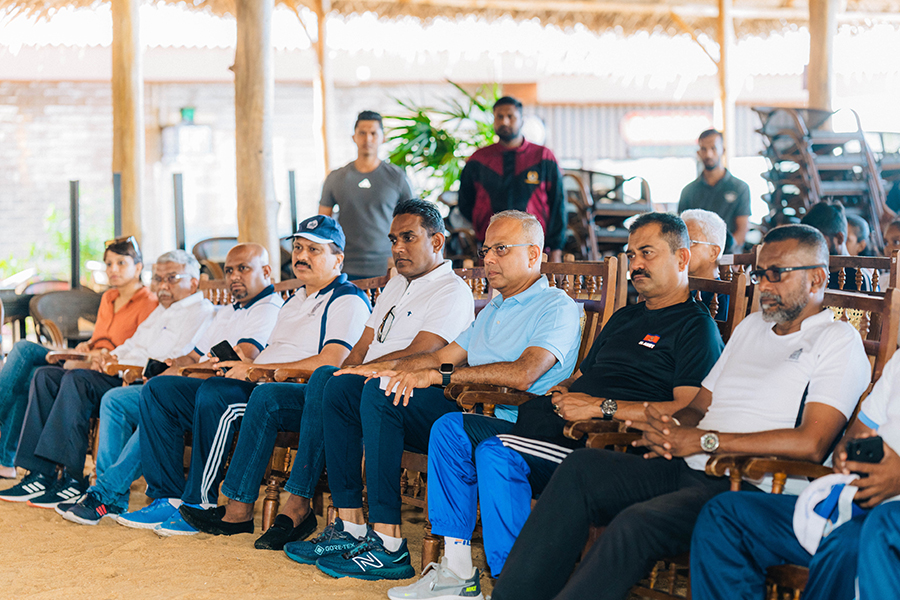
{"x":649,"y":341}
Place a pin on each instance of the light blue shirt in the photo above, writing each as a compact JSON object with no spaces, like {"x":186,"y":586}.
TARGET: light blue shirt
{"x":541,"y":317}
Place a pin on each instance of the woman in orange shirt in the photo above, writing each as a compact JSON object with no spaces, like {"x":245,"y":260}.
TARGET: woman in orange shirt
{"x":122,"y":308}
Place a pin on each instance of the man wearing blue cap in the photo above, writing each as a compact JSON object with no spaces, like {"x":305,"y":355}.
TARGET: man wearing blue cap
{"x":317,"y":326}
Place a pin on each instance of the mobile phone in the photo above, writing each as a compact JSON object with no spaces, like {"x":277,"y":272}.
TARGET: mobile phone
{"x":867,"y":450}
{"x":154,"y":367}
{"x":223,"y":351}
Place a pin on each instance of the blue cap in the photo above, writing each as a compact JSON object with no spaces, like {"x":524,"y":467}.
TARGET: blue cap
{"x":322,"y":230}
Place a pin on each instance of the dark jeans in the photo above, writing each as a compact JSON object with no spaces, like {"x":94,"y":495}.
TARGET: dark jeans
{"x":357,"y":414}
{"x":275,"y":407}
{"x":57,"y":420}
{"x":649,"y":508}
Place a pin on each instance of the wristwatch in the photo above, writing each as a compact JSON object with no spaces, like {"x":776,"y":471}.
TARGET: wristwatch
{"x":608,"y":407}
{"x":709,"y":442}
{"x":446,"y":371}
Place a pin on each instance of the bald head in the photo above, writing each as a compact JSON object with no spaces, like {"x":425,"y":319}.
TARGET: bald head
{"x":247,"y":271}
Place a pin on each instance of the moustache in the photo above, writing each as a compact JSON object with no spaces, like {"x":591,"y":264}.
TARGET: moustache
{"x":770,"y":296}
{"x":303,"y":263}
{"x":637,"y":272}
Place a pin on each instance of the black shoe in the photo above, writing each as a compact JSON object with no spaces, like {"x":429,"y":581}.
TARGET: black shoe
{"x":283,"y":531}
{"x":66,"y":489}
{"x":34,"y":485}
{"x":209,"y":520}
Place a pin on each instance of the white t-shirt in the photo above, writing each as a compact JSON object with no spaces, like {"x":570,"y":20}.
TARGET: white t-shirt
{"x":758,"y":382}
{"x":439,"y":302}
{"x":335,"y":314}
{"x":251,"y":323}
{"x":881,"y":409}
{"x":167,"y":332}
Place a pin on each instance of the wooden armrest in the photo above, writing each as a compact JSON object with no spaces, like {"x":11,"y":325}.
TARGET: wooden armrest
{"x":129,"y":373}
{"x":261,"y":375}
{"x":199,"y":372}
{"x":722,"y":464}
{"x":468,"y":399}
{"x":452,"y":391}
{"x":57,"y":356}
{"x":293,"y":375}
{"x":576,"y":430}
{"x":757,"y":467}
{"x":618,"y":438}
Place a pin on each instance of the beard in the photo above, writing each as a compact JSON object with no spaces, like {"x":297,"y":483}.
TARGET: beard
{"x":787,"y":311}
{"x":507,"y":134}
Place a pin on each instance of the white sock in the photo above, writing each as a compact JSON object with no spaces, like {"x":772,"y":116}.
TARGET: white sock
{"x":355,"y":529}
{"x":391,"y":544}
{"x":459,"y":556}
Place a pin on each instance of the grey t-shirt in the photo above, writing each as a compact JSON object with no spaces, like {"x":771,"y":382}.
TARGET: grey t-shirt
{"x":366,"y":202}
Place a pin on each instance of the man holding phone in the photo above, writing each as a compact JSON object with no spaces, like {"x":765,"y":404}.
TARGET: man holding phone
{"x":59,"y":435}
{"x":317,"y":326}
{"x":738,"y":536}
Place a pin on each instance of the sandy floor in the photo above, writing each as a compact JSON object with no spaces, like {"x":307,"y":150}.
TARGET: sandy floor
{"x":43,"y":556}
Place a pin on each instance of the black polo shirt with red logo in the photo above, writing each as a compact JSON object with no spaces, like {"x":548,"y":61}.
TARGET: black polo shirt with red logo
{"x":642,"y":355}
{"x":526,"y":178}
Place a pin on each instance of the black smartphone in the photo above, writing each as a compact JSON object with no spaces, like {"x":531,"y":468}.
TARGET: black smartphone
{"x":154,"y":367}
{"x":223,"y":351}
{"x":867,"y":450}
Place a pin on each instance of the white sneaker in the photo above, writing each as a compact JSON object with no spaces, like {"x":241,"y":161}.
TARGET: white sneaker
{"x":439,"y":583}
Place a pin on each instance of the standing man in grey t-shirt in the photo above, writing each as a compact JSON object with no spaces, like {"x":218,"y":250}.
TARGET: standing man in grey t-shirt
{"x":366,"y":192}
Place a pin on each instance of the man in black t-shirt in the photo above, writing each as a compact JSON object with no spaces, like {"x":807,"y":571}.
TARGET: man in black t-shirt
{"x":656,"y":351}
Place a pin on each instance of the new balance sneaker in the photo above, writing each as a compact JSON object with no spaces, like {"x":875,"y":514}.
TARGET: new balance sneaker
{"x":175,"y":525}
{"x":439,"y":583}
{"x":159,"y":511}
{"x":369,"y":559}
{"x":90,"y":510}
{"x":65,"y":489}
{"x":332,"y":540}
{"x":34,"y":485}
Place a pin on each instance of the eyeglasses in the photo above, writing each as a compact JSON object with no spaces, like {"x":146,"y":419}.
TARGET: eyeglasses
{"x":385,"y":326}
{"x":703,"y":243}
{"x":170,"y":279}
{"x":499,"y":249}
{"x":773,"y":274}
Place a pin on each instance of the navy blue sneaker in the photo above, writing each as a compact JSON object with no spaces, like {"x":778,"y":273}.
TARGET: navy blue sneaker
{"x":64,"y":489}
{"x":332,"y":540}
{"x":369,"y":560}
{"x":90,"y":510}
{"x":33,"y":485}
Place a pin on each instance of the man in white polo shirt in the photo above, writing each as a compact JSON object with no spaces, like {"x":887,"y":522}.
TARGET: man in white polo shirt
{"x":317,"y":326}
{"x":420,"y":310}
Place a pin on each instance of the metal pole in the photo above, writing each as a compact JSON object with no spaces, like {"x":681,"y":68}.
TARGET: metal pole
{"x":292,"y":188}
{"x":117,"y":205}
{"x":179,"y":210}
{"x":74,"y":238}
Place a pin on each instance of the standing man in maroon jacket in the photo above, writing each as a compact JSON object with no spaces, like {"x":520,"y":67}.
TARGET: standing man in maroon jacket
{"x":514,"y":174}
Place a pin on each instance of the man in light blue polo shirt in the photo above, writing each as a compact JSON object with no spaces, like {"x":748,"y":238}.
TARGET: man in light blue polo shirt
{"x":526,"y":339}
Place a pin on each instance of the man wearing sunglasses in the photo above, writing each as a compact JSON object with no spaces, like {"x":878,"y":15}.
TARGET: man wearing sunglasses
{"x":526,"y":338}
{"x":785,"y":385}
{"x":419,"y":310}
{"x":317,"y":326}
{"x":58,"y":433}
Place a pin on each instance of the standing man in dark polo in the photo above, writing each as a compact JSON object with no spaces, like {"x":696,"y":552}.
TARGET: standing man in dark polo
{"x":514,"y":174}
{"x":717,"y":190}
{"x":366,"y":192}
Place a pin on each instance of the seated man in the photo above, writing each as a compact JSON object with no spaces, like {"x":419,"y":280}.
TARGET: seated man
{"x":317,"y":326}
{"x":172,"y":330}
{"x":505,"y":471}
{"x":58,"y":418}
{"x":858,"y":236}
{"x":526,"y":338}
{"x":785,"y":385}
{"x":707,"y":231}
{"x":738,"y":536}
{"x":242,"y":324}
{"x":832,"y":222}
{"x":419,"y":311}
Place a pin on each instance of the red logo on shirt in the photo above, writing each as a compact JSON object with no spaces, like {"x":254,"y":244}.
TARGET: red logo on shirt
{"x":649,"y":341}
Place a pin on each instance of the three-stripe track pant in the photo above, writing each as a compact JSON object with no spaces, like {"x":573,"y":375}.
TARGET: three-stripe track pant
{"x":472,"y":457}
{"x":172,"y":406}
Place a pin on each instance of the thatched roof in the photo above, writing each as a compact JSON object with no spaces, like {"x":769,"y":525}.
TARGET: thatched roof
{"x":751,"y":17}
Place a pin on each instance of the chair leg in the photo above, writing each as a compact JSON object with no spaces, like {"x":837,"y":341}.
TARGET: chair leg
{"x":271,"y":503}
{"x":431,"y":547}
{"x":332,"y":514}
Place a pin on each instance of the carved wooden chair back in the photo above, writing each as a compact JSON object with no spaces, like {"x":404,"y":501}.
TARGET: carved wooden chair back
{"x":56,"y":314}
{"x":735,"y":290}
{"x":477,"y":281}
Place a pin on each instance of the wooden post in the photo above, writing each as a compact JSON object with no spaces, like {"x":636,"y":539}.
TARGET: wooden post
{"x":254,"y":91}
{"x":128,"y":111}
{"x":726,"y":96}
{"x":326,"y":81}
{"x":822,"y":27}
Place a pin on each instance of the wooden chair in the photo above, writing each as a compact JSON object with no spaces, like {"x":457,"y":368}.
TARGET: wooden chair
{"x":56,"y":314}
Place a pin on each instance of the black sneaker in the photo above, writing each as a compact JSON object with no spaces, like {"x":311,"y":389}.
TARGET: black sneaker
{"x":90,"y":510}
{"x":34,"y":485}
{"x":66,"y":489}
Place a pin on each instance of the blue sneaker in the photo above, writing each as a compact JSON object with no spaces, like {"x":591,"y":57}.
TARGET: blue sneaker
{"x":333,"y":540}
{"x":90,"y":510}
{"x":159,"y":511}
{"x":175,"y":525}
{"x":369,"y":560}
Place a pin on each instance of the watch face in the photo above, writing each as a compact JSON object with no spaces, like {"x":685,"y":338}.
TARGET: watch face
{"x":709,"y":442}
{"x":446,"y":368}
{"x":609,"y":407}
